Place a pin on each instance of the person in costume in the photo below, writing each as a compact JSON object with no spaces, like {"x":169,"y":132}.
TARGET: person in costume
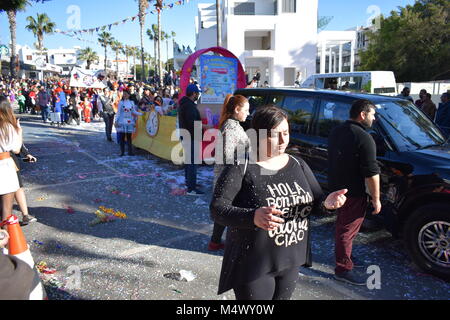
{"x":126,"y":122}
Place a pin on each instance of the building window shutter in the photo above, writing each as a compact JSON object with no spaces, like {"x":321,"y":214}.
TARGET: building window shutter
{"x":244,"y":9}
{"x":289,"y":6}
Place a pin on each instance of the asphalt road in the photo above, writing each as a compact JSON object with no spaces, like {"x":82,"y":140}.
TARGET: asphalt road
{"x":128,"y":259}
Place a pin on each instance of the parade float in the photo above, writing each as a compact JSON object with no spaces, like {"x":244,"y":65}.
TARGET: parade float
{"x":219,"y":75}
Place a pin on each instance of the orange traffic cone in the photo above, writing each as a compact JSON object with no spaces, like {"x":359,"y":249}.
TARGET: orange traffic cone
{"x":18,"y":247}
{"x":17,"y":243}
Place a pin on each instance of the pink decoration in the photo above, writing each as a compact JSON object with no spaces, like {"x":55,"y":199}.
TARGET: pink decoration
{"x":187,"y":68}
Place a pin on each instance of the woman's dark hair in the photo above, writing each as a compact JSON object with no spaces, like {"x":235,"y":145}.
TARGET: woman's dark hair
{"x":359,"y":106}
{"x":266,"y":118}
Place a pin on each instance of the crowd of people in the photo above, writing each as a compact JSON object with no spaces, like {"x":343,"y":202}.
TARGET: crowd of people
{"x":60,"y":104}
{"x":439,"y":115}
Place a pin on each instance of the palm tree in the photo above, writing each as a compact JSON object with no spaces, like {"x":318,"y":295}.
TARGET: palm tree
{"x":173,"y":34}
{"x":153,"y":34}
{"x":11,"y":9}
{"x":87,"y":55}
{"x":105,"y":39}
{"x":127,"y":51}
{"x":159,"y":7}
{"x":143,"y":5}
{"x":116,"y":46}
{"x":40,"y":26}
{"x":136,"y":54}
{"x":167,"y":37}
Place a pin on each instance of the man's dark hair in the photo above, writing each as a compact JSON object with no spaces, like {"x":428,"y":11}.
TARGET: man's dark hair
{"x":429,"y":95}
{"x":359,"y":106}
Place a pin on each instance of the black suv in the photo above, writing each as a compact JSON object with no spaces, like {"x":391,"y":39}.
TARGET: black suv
{"x":413,"y":154}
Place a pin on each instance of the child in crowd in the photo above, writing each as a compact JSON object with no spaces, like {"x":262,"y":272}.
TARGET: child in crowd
{"x":87,"y":108}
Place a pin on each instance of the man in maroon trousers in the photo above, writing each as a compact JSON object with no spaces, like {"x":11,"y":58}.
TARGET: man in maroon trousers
{"x":353,"y":166}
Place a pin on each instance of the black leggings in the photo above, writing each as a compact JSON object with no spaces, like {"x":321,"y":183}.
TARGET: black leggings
{"x":217,"y":233}
{"x":272,"y":286}
{"x":122,"y":142}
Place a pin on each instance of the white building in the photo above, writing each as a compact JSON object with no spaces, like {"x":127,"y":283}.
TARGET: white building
{"x":180,"y":54}
{"x":277,"y":38}
{"x":338,"y":51}
{"x":34,"y":64}
{"x":64,"y":58}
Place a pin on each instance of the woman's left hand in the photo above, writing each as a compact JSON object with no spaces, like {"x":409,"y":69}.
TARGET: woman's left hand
{"x":31,"y":158}
{"x":335,"y":200}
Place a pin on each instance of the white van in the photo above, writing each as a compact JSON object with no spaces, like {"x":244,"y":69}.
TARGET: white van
{"x":377,"y":82}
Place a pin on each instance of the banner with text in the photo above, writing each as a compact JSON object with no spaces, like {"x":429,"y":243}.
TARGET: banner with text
{"x":218,"y":78}
{"x":83,"y":78}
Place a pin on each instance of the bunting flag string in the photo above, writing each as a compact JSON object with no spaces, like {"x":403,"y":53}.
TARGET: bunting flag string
{"x":73,"y":33}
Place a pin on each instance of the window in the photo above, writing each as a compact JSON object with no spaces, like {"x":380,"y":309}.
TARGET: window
{"x":300,"y":111}
{"x":276,"y":100}
{"x":351,"y":84}
{"x":332,"y":114}
{"x":289,"y":6}
{"x":383,"y":90}
{"x":407,"y":127}
{"x":29,"y":58}
{"x":244,"y":9}
{"x":255,"y":102}
{"x":289,"y":76}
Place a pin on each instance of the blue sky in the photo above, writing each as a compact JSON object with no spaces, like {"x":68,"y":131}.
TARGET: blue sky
{"x":180,"y":19}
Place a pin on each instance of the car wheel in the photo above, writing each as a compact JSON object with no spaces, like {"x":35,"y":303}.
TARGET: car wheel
{"x":427,"y":238}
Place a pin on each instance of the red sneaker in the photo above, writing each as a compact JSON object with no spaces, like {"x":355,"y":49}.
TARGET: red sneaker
{"x":212,"y":246}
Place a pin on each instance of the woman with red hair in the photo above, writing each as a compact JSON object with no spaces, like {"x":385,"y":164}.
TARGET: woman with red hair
{"x":235,"y":147}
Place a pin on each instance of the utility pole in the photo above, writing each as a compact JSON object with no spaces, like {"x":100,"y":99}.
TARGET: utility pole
{"x":219,"y":24}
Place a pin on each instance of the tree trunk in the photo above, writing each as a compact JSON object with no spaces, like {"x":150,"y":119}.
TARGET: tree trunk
{"x":159,"y":50}
{"x":106,"y":60}
{"x":12,"y":28}
{"x":128,"y":65}
{"x":117,"y":65}
{"x":155,"y":57}
{"x":40,"y":43}
{"x":142,"y":48}
{"x":134,"y":64}
{"x":167,"y":54}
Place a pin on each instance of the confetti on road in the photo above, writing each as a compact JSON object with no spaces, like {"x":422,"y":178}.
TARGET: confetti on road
{"x":178,"y":192}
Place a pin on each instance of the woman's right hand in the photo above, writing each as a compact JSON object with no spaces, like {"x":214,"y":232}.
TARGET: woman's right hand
{"x":266,"y":218}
